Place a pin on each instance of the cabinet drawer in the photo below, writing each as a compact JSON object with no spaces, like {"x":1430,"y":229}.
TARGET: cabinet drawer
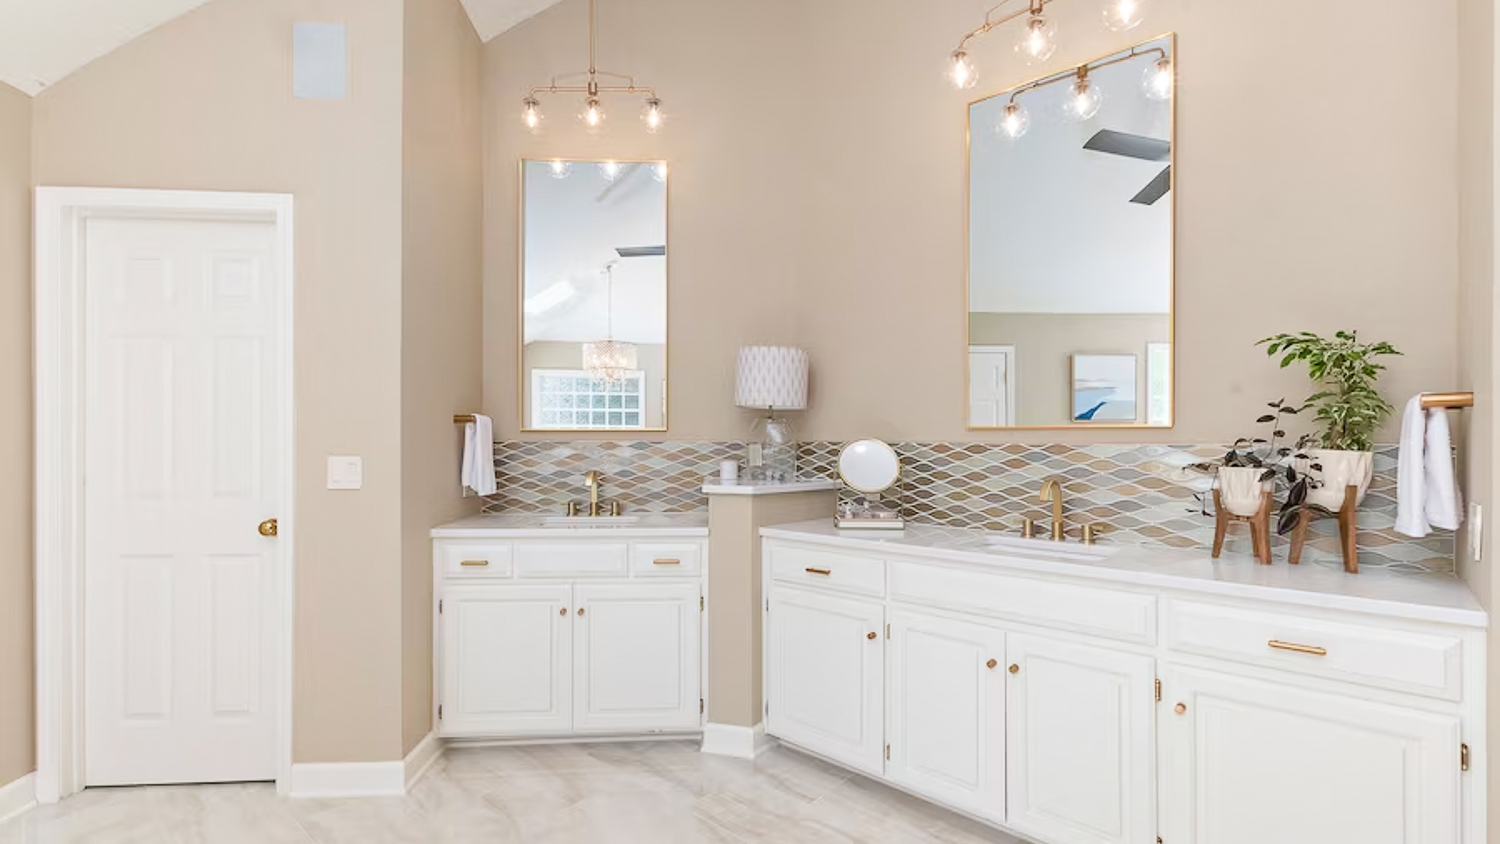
{"x":829,"y":570}
{"x":1126,"y":616}
{"x":476,"y":560}
{"x":591,"y":559}
{"x":666,"y":559}
{"x":1420,"y":663}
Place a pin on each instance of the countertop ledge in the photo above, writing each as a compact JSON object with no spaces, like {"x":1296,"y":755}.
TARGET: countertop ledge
{"x":530,"y":526}
{"x":715,"y":486}
{"x":1434,"y":598}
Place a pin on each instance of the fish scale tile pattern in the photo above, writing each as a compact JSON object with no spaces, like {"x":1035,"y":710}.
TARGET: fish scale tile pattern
{"x":1146,"y":494}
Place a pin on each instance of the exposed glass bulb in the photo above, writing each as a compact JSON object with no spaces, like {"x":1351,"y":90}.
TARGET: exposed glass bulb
{"x":1084,"y":99}
{"x":559,"y":168}
{"x":961,"y":71}
{"x":1158,"y":80}
{"x":1014,"y":121}
{"x":592,"y":114}
{"x":1120,"y":15}
{"x":651,"y":116}
{"x":610,"y":170}
{"x":1038,"y":40}
{"x":659,"y":171}
{"x":531,"y":114}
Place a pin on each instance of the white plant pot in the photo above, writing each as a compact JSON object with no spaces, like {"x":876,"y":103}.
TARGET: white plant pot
{"x":1240,"y":489}
{"x":1340,"y":469}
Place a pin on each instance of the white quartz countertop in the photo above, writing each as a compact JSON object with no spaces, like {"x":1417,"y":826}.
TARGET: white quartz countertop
{"x":714,"y":486}
{"x":532,"y":526}
{"x":1439,"y":598}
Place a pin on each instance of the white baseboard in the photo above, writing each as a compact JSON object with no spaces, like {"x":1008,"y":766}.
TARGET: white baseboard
{"x":421,"y":757}
{"x":738,"y":742}
{"x":17,"y":797}
{"x":348,"y":779}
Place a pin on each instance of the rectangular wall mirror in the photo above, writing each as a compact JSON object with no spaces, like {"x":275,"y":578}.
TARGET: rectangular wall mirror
{"x":593,"y":330}
{"x":1071,"y":245}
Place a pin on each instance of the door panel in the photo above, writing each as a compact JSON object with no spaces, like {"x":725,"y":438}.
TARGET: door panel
{"x":1081,"y":743}
{"x":946,"y":724}
{"x":825,"y":683}
{"x":635,"y":658}
{"x":506,"y":657}
{"x":1248,"y":762}
{"x":183,"y":462}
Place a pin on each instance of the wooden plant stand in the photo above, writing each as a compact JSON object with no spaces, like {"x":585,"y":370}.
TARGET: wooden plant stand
{"x":1260,"y":527}
{"x":1346,"y":516}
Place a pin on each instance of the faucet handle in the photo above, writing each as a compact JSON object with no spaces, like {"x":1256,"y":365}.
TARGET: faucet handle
{"x":1093,"y":530}
{"x":1028,"y":527}
{"x":613,"y":507}
{"x":572,"y":508}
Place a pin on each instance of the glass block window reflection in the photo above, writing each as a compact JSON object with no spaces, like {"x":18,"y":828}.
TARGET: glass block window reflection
{"x":568,"y":399}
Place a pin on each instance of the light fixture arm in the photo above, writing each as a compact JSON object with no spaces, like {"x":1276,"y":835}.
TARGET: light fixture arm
{"x":591,"y":83}
{"x":1082,"y":71}
{"x":1033,"y":8}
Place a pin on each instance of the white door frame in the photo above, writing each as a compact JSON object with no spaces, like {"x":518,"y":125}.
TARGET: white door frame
{"x":59,"y":291}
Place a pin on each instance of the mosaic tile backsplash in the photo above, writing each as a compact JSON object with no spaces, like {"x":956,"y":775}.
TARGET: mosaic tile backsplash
{"x":1145,"y":493}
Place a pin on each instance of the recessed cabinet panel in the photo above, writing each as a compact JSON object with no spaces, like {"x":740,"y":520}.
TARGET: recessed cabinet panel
{"x":825,"y":685}
{"x":507,"y":654}
{"x":635,"y":658}
{"x":1081,"y":754}
{"x":947,"y":711}
{"x":1250,"y":762}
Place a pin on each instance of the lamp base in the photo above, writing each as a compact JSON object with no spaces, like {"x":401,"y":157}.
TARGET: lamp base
{"x":772,"y":450}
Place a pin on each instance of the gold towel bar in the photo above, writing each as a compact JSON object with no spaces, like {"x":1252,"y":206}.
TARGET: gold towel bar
{"x":1447,"y":401}
{"x":463,"y":418}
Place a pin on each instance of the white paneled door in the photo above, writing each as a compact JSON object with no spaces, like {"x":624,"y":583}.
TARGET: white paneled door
{"x":507,"y":654}
{"x":635,"y":657}
{"x":992,"y":386}
{"x":183,"y":462}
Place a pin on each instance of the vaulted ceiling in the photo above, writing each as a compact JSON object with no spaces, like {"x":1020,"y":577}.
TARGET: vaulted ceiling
{"x":42,"y":41}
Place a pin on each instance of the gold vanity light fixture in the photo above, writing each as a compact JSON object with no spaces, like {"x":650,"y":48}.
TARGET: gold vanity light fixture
{"x":1037,"y":41}
{"x":609,"y":360}
{"x":592,"y":115}
{"x":1086,"y":97}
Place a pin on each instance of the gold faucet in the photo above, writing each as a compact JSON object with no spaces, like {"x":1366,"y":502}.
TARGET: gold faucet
{"x":1052,"y":491}
{"x":591,"y":480}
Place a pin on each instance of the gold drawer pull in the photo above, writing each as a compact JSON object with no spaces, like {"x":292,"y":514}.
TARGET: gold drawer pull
{"x":824,"y":572}
{"x":475,"y":563}
{"x":666,"y":562}
{"x":1301,"y":649}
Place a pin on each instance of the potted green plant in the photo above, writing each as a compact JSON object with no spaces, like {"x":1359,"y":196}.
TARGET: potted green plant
{"x":1349,"y":408}
{"x":1254,"y":465}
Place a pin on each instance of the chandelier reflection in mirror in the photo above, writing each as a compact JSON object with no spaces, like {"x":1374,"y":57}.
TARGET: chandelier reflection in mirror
{"x":1037,"y":39}
{"x":595,"y":84}
{"x":1085,"y":96}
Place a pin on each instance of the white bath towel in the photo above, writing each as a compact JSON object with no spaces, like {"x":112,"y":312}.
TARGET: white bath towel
{"x":1426,"y":494}
{"x":478,"y":472}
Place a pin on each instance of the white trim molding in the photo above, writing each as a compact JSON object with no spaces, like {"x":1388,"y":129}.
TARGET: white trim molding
{"x":59,"y":308}
{"x":735,"y":742}
{"x":421,"y":758}
{"x":17,"y":797}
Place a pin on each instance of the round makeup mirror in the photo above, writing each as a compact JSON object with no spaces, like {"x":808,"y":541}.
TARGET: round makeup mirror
{"x":869,"y":466}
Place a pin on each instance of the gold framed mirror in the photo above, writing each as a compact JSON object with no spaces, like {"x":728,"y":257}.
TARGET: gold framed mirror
{"x":593,"y":287}
{"x":1071,"y":244}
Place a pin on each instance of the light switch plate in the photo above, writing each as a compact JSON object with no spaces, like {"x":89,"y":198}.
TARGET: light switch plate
{"x":346,"y":472}
{"x":1476,"y":531}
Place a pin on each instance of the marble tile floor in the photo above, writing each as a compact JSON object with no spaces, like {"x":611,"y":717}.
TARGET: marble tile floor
{"x":648,"y":792}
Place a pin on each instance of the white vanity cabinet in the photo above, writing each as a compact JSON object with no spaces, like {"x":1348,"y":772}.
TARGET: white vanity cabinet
{"x":1135,"y":697}
{"x":559,"y":632}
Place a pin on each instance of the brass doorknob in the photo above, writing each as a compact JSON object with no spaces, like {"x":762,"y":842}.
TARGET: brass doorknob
{"x":1015,"y":669}
{"x":1180,"y":708}
{"x":268,"y":527}
{"x":991,"y":664}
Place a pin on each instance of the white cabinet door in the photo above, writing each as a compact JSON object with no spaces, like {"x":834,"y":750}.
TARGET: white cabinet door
{"x":635,"y":658}
{"x":1249,"y":762}
{"x":1081,"y":762}
{"x":506,"y":655}
{"x":825,"y":676}
{"x":946,"y":712}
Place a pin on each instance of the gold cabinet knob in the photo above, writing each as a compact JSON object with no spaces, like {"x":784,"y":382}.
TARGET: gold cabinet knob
{"x":563,"y":612}
{"x":268,"y":527}
{"x":580,"y":610}
{"x":1015,"y":669}
{"x":991,"y":664}
{"x":870,"y":636}
{"x":1180,"y":708}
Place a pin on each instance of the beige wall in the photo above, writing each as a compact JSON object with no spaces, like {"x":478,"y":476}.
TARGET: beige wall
{"x":17,"y":729}
{"x":204,"y":103}
{"x":440,"y":313}
{"x":1045,"y":345}
{"x":818,"y":195}
{"x":651,"y":358}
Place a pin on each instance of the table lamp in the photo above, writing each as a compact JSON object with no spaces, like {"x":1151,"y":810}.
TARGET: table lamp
{"x":771,"y":378}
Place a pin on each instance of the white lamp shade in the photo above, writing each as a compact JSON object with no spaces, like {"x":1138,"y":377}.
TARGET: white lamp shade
{"x":771,"y":377}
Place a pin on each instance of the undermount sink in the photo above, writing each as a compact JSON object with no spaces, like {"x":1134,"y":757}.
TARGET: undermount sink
{"x":589,"y":521}
{"x":1050,"y":548}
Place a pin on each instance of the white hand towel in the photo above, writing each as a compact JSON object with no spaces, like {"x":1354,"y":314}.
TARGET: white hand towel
{"x":1411,"y":472}
{"x":1442,"y":506}
{"x":478,"y":472}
